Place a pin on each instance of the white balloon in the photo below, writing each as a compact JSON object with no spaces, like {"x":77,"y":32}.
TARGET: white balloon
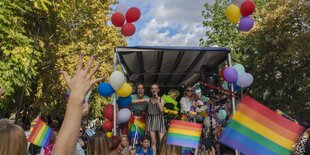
{"x":245,"y":80}
{"x":117,"y":79}
{"x":238,"y":2}
{"x":121,"y":8}
{"x":123,"y":115}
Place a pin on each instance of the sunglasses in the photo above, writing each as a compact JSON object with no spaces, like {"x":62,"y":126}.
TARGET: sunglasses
{"x":81,"y":131}
{"x":189,"y":90}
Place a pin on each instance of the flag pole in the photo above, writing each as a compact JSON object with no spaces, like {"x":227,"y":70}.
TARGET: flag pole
{"x":233,"y":102}
{"x":114,"y":98}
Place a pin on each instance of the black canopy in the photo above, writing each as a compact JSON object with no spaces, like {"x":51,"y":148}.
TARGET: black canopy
{"x":166,"y":65}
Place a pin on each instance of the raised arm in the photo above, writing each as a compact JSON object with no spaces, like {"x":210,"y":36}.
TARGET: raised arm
{"x":79,"y":85}
{"x":140,"y":101}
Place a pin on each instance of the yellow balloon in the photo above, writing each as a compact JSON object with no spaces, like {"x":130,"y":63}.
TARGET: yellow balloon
{"x":203,"y":114}
{"x":109,"y":134}
{"x":233,"y":13}
{"x":125,"y":90}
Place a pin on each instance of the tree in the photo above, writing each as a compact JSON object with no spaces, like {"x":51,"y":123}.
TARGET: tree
{"x":220,"y":31}
{"x":66,"y":28}
{"x":81,"y":27}
{"x":17,"y":53}
{"x":277,"y":52}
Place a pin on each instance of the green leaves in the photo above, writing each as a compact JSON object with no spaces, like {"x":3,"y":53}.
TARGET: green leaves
{"x":66,"y":29}
{"x":275,"y":51}
{"x":219,"y":30}
{"x":277,"y":55}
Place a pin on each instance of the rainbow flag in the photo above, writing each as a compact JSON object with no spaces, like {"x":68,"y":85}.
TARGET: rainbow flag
{"x":184,"y":134}
{"x":257,"y":130}
{"x":136,"y":128}
{"x":33,"y":123}
{"x":41,"y":134}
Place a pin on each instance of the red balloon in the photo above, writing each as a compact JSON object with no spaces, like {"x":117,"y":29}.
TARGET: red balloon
{"x":128,"y":29}
{"x":118,"y":19}
{"x":133,"y":14}
{"x":108,"y":112}
{"x":222,"y":72}
{"x":247,"y":8}
{"x":107,"y":125}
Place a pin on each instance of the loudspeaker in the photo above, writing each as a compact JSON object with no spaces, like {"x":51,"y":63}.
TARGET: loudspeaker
{"x":209,"y":75}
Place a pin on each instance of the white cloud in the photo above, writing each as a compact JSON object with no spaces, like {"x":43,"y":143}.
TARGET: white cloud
{"x":168,"y":22}
{"x":186,"y":35}
{"x":172,"y":23}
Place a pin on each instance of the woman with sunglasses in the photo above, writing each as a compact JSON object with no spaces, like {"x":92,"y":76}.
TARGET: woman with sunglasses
{"x":187,"y":108}
{"x":188,"y":112}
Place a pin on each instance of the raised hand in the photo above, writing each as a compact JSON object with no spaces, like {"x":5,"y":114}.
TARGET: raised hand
{"x":81,"y":82}
{"x":79,"y":85}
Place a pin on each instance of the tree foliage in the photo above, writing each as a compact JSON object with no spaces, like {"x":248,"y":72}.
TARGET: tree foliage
{"x":277,"y":52}
{"x":16,"y":51}
{"x":66,"y":29}
{"x":220,"y":31}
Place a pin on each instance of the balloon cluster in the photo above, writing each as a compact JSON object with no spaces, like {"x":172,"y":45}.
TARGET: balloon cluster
{"x":117,"y":83}
{"x":237,"y":76}
{"x":129,"y":16}
{"x":244,"y":8}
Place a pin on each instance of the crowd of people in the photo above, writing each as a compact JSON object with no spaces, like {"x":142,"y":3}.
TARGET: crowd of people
{"x":146,"y":131}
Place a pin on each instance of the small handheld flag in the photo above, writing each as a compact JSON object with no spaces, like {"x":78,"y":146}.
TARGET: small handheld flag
{"x":185,"y":134}
{"x":33,"y":123}
{"x":256,"y":130}
{"x":41,"y":134}
{"x":279,"y":112}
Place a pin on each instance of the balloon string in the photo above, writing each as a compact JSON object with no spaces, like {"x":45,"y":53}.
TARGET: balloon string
{"x":241,"y":93}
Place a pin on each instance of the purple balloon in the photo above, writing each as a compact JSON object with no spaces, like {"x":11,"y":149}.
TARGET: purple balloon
{"x":231,"y":74}
{"x":246,"y":23}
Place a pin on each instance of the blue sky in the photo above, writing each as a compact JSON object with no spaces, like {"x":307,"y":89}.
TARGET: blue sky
{"x":167,"y":22}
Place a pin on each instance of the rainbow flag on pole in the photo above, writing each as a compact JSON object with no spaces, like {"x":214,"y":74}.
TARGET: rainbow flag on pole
{"x":33,"y":123}
{"x":185,"y":134}
{"x":257,"y":130}
{"x":41,"y":134}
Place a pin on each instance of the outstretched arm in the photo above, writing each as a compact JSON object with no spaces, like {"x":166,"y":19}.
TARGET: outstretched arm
{"x":79,"y":85}
{"x":140,"y":101}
